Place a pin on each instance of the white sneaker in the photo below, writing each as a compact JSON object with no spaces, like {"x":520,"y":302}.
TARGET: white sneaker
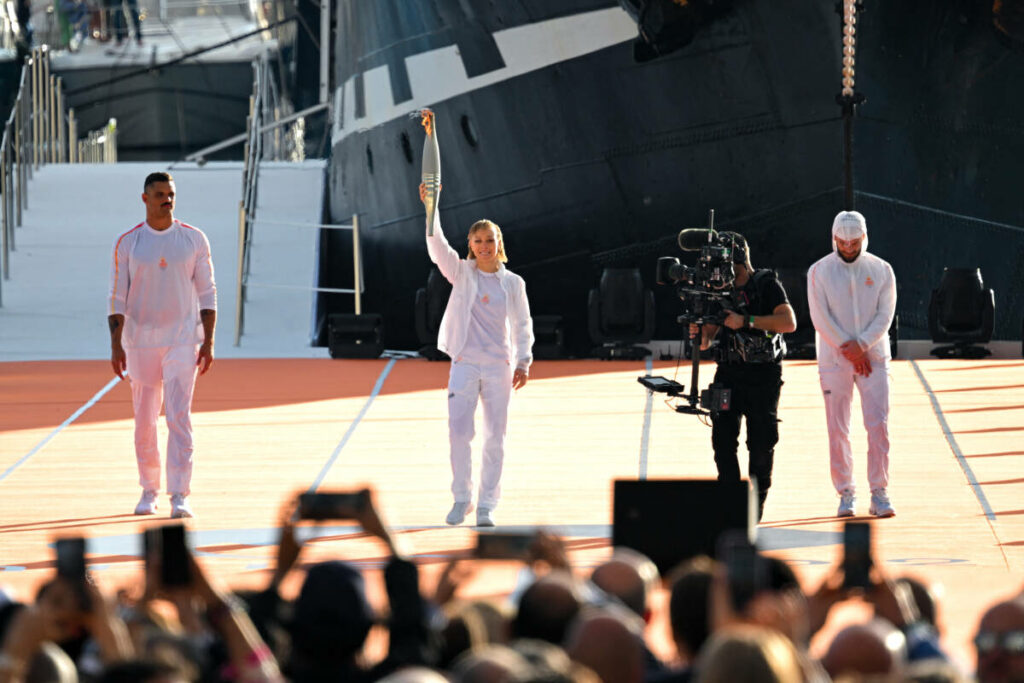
{"x":846,"y":502}
{"x":458,"y":513}
{"x":147,"y":504}
{"x":880,"y":505}
{"x":483,"y":517}
{"x":180,"y":507}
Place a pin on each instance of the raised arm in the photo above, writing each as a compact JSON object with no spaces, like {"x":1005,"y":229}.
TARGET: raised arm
{"x":441,"y":253}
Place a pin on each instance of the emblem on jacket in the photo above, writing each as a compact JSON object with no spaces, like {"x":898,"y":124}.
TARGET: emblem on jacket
{"x":163,"y":262}
{"x":486,"y":299}
{"x":869,"y":282}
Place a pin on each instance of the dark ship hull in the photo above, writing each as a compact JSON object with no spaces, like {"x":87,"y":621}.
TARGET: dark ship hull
{"x":597,"y":160}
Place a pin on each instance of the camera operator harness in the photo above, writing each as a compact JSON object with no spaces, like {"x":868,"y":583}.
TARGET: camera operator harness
{"x":706,"y":290}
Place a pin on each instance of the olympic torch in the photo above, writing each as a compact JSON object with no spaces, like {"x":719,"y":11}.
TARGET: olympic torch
{"x":431,"y":169}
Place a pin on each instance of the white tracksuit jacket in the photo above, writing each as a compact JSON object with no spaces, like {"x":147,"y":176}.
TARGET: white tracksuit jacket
{"x":462,"y":274}
{"x":854,"y":301}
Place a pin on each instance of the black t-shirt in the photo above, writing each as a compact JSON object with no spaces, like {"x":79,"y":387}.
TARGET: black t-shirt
{"x":761,"y":294}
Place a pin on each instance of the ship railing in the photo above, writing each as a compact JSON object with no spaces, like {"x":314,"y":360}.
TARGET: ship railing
{"x":264,"y":139}
{"x":37,"y":132}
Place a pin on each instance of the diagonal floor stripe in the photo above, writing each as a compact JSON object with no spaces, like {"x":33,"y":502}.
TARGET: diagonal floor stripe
{"x":968,"y":472}
{"x":645,"y":436}
{"x":352,"y":427}
{"x":74,"y":416}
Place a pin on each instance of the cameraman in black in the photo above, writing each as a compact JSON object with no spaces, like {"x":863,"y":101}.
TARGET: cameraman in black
{"x":756,"y":315}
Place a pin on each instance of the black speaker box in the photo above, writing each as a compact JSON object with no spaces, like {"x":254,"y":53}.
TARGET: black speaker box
{"x":354,"y":336}
{"x":671,"y":520}
{"x":549,"y":337}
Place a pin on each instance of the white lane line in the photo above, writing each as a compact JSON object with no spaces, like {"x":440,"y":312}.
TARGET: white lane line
{"x":971,"y":479}
{"x":352,"y":427}
{"x":74,"y":416}
{"x":645,"y":437}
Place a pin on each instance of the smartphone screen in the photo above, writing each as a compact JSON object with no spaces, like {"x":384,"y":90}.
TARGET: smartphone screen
{"x":857,"y":555}
{"x":745,"y":568}
{"x":332,"y":505}
{"x":71,"y":559}
{"x":504,"y":546}
{"x":174,"y":565}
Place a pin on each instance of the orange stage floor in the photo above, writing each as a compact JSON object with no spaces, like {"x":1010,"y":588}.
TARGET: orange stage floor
{"x":266,"y":429}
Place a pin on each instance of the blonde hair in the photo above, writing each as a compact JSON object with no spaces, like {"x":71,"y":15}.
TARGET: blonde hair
{"x":748,"y":653}
{"x":483,"y":224}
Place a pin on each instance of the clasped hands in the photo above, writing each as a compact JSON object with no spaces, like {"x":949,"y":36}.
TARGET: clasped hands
{"x":856,"y":354}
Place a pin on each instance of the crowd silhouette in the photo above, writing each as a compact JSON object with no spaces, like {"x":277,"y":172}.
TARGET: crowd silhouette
{"x":560,"y":624}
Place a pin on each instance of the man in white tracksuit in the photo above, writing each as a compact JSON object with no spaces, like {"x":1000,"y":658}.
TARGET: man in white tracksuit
{"x":162,"y":314}
{"x":852,"y":300}
{"x":488,"y":333}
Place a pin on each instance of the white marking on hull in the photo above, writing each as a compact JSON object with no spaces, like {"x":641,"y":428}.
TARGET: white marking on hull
{"x":439,"y":74}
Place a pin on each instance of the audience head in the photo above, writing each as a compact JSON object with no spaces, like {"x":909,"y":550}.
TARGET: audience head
{"x":999,"y":643}
{"x":332,"y":616}
{"x":925,"y":599}
{"x":688,"y":605}
{"x":746,"y":653}
{"x":547,"y":608}
{"x":876,"y":648}
{"x":610,"y":642}
{"x":490,"y":664}
{"x":630,"y":577}
{"x":51,"y":665}
{"x":414,"y":674}
{"x":471,"y":625}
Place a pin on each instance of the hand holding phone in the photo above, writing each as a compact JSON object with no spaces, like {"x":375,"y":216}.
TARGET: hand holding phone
{"x":174,"y":557}
{"x":857,"y":555}
{"x":333,"y":505}
{"x":500,"y":545}
{"x":747,"y":571}
{"x":71,"y":566}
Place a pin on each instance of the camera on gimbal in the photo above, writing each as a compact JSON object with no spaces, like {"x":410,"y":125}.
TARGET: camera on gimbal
{"x":713,"y":269}
{"x":702,"y":288}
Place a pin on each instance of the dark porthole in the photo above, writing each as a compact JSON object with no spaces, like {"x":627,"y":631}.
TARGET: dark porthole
{"x":406,"y":147}
{"x":369,"y":159}
{"x":469,"y":131}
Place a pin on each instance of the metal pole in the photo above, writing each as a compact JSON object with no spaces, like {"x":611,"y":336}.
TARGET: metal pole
{"x":357,"y":266}
{"x":325,"y":49}
{"x":53,"y":114}
{"x":36,"y":105}
{"x":44,"y":123}
{"x":61,"y":132}
{"x":19,"y":160}
{"x":239,"y":299}
{"x":5,"y":230}
{"x":72,"y":137}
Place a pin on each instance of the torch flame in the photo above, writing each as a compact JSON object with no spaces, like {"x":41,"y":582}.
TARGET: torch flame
{"x":427,"y":121}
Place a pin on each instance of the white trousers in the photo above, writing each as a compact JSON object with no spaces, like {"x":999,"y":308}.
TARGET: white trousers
{"x":163,"y":375}
{"x":492,"y":384}
{"x":837,"y":387}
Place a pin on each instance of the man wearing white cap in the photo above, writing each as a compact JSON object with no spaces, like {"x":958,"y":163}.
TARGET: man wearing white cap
{"x":852,"y":300}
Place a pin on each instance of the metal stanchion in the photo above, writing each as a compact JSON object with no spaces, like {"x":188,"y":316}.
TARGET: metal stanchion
{"x":44,"y":97}
{"x":72,"y":137}
{"x":54,"y":114}
{"x":59,"y":116}
{"x":18,"y":153}
{"x":36,"y":101}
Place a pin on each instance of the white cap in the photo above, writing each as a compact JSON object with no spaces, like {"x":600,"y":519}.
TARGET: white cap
{"x":849,"y":225}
